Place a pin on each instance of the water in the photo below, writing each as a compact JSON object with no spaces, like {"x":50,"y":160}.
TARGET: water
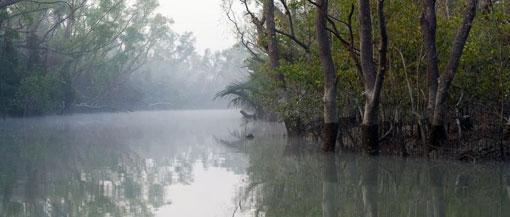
{"x":199,"y":163}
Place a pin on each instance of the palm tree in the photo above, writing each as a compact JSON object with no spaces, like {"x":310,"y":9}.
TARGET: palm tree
{"x":241,"y":95}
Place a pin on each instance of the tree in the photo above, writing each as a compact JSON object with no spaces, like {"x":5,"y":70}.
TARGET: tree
{"x":73,"y":52}
{"x":272,"y":43}
{"x":428,"y":27}
{"x":372,"y":78}
{"x":330,"y":78}
{"x":438,"y":131}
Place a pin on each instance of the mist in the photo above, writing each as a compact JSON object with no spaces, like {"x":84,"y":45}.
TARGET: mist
{"x":107,"y":56}
{"x":176,"y":77}
{"x":250,"y":108}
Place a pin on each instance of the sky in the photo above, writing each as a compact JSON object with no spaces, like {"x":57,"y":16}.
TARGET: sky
{"x":205,"y":18}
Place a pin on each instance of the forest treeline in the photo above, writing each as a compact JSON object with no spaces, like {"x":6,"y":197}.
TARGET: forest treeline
{"x":406,"y":77}
{"x":58,"y":57}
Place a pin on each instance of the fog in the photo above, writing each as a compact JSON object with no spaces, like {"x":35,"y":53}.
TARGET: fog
{"x":207,"y":22}
{"x":177,"y":77}
{"x":111,"y":56}
{"x":254,"y":108}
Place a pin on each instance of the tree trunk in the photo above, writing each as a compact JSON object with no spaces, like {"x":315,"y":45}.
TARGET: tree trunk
{"x":428,"y":28}
{"x":34,"y":55}
{"x":330,"y":83}
{"x":447,"y":8}
{"x":272,"y":43}
{"x":293,"y":124}
{"x":66,"y":78}
{"x":438,"y":133}
{"x":373,"y":80}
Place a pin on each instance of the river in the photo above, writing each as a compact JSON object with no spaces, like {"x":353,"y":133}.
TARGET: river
{"x":204,"y":163}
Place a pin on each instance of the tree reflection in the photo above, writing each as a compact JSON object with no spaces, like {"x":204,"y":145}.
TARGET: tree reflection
{"x":311,"y":184}
{"x":37,"y":188}
{"x":369,"y":183}
{"x":437,"y":190}
{"x":72,"y":170}
{"x":506,"y":181}
{"x":69,"y":167}
{"x":329,"y":186}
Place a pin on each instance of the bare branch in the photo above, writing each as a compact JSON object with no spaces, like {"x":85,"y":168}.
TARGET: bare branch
{"x":292,"y":34}
{"x":231,"y":17}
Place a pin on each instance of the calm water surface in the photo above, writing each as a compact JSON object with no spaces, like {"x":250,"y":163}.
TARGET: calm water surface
{"x":199,"y":163}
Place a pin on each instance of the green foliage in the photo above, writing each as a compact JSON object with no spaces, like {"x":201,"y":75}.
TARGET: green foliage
{"x":304,"y":80}
{"x":37,"y":95}
{"x":242,"y":94}
{"x":55,"y":55}
{"x":482,"y":79}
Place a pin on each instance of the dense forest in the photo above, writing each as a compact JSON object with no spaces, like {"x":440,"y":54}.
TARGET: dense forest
{"x":411,"y":77}
{"x":59,"y":57}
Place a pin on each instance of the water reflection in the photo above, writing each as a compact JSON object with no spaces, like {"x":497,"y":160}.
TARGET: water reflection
{"x":114,"y":164}
{"x":313,"y":184}
{"x":211,"y":163}
{"x":329,"y":186}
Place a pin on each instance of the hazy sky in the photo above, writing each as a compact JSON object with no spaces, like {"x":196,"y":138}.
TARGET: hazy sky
{"x":204,"y":18}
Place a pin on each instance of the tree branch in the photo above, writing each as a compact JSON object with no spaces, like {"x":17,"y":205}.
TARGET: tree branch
{"x":293,"y":38}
